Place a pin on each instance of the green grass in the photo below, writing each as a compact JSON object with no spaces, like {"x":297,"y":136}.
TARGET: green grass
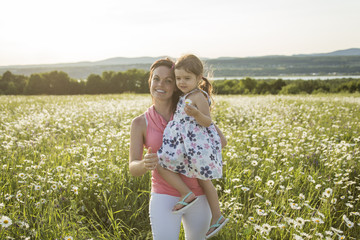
{"x":64,"y":167}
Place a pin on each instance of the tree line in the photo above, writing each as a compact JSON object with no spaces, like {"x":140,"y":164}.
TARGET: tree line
{"x":59,"y":83}
{"x":280,"y":86}
{"x":136,"y":81}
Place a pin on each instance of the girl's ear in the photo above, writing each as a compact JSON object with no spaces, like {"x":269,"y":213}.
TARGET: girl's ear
{"x":199,"y":78}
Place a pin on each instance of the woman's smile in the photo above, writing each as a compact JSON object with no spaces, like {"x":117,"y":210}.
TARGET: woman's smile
{"x":160,"y":91}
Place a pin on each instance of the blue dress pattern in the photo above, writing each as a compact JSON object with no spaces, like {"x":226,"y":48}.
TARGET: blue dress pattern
{"x":189,"y":148}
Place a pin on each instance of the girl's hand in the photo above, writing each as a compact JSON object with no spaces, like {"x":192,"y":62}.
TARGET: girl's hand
{"x":150,"y":160}
{"x":191,"y":110}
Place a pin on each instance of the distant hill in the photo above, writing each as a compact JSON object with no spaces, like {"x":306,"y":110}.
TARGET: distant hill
{"x":342,"y":62}
{"x":346,"y":52}
{"x":125,"y":61}
{"x":110,"y":61}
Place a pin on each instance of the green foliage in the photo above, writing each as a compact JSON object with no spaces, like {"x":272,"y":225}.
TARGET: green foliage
{"x":59,"y":83}
{"x":11,"y":84}
{"x":248,"y":86}
{"x":136,"y":81}
{"x":279,"y":86}
{"x":291,"y":167}
{"x":37,"y":85}
{"x":95,"y":84}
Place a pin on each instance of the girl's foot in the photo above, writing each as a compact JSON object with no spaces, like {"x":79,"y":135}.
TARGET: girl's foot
{"x":215,"y":226}
{"x":187,"y":199}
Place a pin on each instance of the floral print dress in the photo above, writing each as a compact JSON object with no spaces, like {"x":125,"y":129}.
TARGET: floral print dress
{"x":189,"y":148}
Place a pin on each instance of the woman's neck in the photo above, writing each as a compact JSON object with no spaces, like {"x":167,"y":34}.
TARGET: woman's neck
{"x":164,"y":109}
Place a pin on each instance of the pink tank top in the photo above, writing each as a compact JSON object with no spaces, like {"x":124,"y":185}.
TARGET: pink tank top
{"x":154,"y":134}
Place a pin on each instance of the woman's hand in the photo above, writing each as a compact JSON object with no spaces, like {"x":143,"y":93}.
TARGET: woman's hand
{"x":150,"y":160}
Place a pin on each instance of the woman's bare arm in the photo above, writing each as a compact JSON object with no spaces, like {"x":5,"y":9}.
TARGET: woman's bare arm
{"x":138,"y":165}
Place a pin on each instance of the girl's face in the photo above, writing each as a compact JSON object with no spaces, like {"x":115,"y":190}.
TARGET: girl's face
{"x":186,"y":81}
{"x":162,"y":83}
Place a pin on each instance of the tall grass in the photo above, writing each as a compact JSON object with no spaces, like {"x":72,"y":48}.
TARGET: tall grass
{"x":291,"y":167}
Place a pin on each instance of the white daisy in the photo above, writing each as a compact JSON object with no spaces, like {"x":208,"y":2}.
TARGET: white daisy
{"x":23,"y":224}
{"x":349,"y":224}
{"x":301,"y":196}
{"x":22,"y":175}
{"x":317,"y":220}
{"x":266,"y":228}
{"x":261,"y":212}
{"x":188,"y":101}
{"x":300,"y":222}
{"x":327,"y":193}
{"x":8,"y":196}
{"x":85,"y":163}
{"x":270,"y":183}
{"x":5,"y":221}
{"x":281,"y":226}
{"x":257,"y":178}
{"x":258,"y":228}
{"x":268,"y":203}
{"x":295,"y":206}
{"x":75,"y":190}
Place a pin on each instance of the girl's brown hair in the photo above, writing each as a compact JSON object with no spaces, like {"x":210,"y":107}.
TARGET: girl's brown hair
{"x":167,"y":62}
{"x":193,"y":64}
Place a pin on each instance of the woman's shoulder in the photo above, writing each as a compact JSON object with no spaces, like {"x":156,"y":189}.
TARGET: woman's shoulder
{"x":139,"y":121}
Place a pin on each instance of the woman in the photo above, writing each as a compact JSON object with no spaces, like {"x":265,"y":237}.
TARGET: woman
{"x":147,"y":130}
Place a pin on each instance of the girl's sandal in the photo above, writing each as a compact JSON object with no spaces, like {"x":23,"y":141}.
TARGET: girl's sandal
{"x":185,"y":204}
{"x":218,"y":226}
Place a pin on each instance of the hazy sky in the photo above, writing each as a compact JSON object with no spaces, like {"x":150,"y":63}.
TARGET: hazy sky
{"x":55,"y":31}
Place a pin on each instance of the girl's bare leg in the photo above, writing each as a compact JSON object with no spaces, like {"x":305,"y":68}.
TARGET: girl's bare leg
{"x":176,"y":182}
{"x":213,"y":199}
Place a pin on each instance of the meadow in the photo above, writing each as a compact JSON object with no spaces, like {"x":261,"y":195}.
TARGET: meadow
{"x":291,"y":167}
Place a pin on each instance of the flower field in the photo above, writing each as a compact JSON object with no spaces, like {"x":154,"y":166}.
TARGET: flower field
{"x":291,"y":167}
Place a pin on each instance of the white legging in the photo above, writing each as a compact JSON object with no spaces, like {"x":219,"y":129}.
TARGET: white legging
{"x":166,"y":226}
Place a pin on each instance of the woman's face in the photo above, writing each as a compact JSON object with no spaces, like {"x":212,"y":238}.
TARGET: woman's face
{"x":162,"y":83}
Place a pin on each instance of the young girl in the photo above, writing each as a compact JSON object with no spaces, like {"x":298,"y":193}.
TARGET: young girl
{"x":191,"y":144}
